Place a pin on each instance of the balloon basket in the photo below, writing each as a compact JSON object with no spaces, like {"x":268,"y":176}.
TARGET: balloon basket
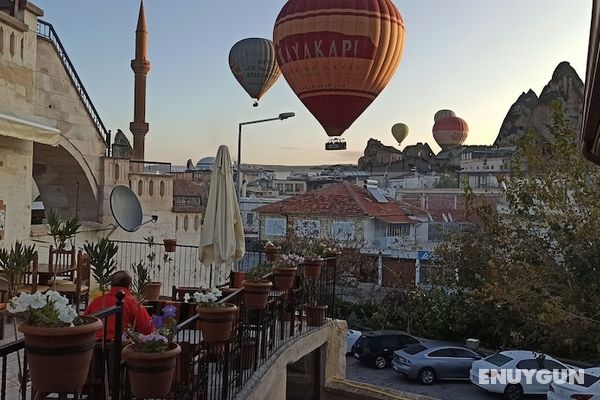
{"x":335,"y":144}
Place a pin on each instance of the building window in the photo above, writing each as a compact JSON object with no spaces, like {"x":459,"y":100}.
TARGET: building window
{"x":275,"y":226}
{"x":186,"y":222}
{"x":309,"y":227}
{"x":397,"y":230}
{"x":343,"y":230}
{"x":117,"y":171}
{"x":162,"y":188}
{"x":151,"y":188}
{"x":140,"y":187}
{"x":12,"y":44}
{"x":196,"y":223}
{"x":249,"y":219}
{"x":176,"y":223}
{"x":1,"y":40}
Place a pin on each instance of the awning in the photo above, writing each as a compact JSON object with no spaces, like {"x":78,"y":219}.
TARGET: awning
{"x":395,"y":219}
{"x":24,"y":129}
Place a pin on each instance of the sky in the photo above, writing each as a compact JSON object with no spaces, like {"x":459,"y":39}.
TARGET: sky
{"x":474,"y":57}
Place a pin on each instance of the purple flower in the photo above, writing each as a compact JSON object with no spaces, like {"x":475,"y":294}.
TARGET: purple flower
{"x":158,"y":321}
{"x":169,"y":311}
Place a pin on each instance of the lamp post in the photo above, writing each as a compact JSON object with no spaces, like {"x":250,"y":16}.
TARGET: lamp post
{"x":281,"y":117}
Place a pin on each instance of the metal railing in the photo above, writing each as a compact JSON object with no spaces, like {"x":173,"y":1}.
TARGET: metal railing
{"x":46,"y":31}
{"x":150,"y":167}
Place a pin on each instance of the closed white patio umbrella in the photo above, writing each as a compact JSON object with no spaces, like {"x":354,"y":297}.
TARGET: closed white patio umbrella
{"x":222,"y":235}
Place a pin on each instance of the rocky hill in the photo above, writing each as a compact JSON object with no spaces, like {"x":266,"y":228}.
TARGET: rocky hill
{"x":531,"y":111}
{"x":376,"y":154}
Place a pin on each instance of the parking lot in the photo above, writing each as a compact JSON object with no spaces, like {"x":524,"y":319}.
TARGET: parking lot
{"x":445,"y":390}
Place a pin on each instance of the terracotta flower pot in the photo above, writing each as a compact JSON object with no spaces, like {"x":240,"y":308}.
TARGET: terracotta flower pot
{"x":312,"y":267}
{"x":284,"y":277}
{"x":271,"y":253}
{"x":59,"y":358}
{"x":152,"y":290}
{"x":170,"y":245}
{"x":315,"y":315}
{"x":151,"y":374}
{"x":256,"y":295}
{"x":216,"y":323}
{"x":236,"y":279}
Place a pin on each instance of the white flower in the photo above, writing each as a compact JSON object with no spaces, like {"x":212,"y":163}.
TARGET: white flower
{"x":38,"y":300}
{"x":186,"y":297}
{"x":56,"y":298}
{"x":67,"y":314}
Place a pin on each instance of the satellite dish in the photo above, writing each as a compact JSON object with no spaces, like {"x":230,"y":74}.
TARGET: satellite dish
{"x":126,"y":208}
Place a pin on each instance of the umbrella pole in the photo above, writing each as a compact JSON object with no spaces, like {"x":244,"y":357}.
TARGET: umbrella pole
{"x":210,"y":276}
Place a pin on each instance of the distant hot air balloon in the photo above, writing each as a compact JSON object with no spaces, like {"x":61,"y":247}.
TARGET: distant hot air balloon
{"x":443,"y":114}
{"x":338,"y":55}
{"x":253,"y":64}
{"x":450,"y":131}
{"x":400,"y":132}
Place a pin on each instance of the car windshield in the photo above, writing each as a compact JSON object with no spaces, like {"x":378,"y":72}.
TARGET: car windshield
{"x":498,"y":359}
{"x":588,"y":380}
{"x":415,"y":348}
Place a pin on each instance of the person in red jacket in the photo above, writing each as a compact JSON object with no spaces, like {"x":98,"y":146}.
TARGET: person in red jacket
{"x":134,"y":314}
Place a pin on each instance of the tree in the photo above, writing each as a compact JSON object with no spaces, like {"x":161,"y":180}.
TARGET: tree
{"x":532,"y":272}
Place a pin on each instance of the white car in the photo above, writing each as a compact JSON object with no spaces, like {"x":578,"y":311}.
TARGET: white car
{"x":505,"y":372}
{"x":351,"y":337}
{"x":589,"y":389}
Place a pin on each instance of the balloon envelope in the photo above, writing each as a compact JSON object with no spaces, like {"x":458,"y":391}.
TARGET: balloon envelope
{"x":338,"y":55}
{"x":400,"y":132}
{"x":252,"y":62}
{"x":451,"y":131}
{"x":443,"y":114}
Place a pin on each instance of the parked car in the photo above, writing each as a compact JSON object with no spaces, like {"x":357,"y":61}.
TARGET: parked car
{"x":511,"y":361}
{"x":376,"y":348}
{"x":351,"y":338}
{"x":589,"y":389}
{"x":430,"y":361}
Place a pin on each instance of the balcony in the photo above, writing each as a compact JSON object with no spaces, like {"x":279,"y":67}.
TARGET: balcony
{"x":263,"y":342}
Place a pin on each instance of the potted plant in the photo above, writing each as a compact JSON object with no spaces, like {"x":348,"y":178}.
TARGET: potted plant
{"x":284,"y":270}
{"x":257,"y":287}
{"x":170,"y":245}
{"x":312,"y":258}
{"x":55,"y":336}
{"x":236,"y":278}
{"x":15,"y":262}
{"x":271,"y":251}
{"x":315,"y":312}
{"x":141,"y":277}
{"x":151,"y":358}
{"x":102,"y":261}
{"x":61,"y":230}
{"x":215,"y":319}
{"x":152,"y":288}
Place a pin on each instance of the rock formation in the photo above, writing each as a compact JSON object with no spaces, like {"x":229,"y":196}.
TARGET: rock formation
{"x":377,"y":154}
{"x":529,"y":111}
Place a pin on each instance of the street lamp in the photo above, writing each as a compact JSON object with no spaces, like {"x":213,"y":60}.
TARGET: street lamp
{"x":281,"y":117}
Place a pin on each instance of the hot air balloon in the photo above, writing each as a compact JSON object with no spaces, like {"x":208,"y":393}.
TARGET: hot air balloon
{"x":400,"y":132}
{"x":253,"y":64}
{"x":450,"y":131}
{"x":338,"y":55}
{"x":443,"y":114}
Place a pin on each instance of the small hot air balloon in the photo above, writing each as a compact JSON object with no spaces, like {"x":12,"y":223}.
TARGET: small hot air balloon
{"x":450,"y":131}
{"x":443,"y":114}
{"x":253,"y":64}
{"x":338,"y":55}
{"x":400,"y":132}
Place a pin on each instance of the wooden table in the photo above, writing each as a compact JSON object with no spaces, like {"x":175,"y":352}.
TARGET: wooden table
{"x":44,"y":274}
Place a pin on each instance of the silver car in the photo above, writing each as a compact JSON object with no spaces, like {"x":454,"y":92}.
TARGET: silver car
{"x":430,"y":361}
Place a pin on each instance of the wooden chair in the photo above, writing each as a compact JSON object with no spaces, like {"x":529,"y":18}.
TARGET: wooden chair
{"x":28,"y":283}
{"x":79,"y":291}
{"x":61,"y":263}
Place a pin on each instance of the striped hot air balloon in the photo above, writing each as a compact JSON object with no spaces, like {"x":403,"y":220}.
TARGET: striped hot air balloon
{"x":252,"y":62}
{"x":450,"y":131}
{"x":338,"y":55}
{"x":443,"y":114}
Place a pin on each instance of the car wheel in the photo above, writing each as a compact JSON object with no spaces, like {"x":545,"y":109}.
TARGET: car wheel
{"x":513,"y":392}
{"x":380,"y":362}
{"x":426,"y":376}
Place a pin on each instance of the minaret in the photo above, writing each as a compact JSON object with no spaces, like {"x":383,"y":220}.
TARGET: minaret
{"x":140,"y":66}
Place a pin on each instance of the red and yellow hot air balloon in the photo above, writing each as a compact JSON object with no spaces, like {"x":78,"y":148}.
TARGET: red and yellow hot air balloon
{"x":338,"y":55}
{"x":450,"y":131}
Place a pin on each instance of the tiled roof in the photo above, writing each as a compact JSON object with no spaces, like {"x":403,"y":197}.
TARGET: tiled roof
{"x":188,"y":188}
{"x":344,"y":199}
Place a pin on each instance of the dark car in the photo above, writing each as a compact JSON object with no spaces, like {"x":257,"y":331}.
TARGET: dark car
{"x":376,"y":348}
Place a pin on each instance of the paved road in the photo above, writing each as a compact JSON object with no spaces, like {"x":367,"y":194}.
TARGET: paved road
{"x":445,"y":390}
